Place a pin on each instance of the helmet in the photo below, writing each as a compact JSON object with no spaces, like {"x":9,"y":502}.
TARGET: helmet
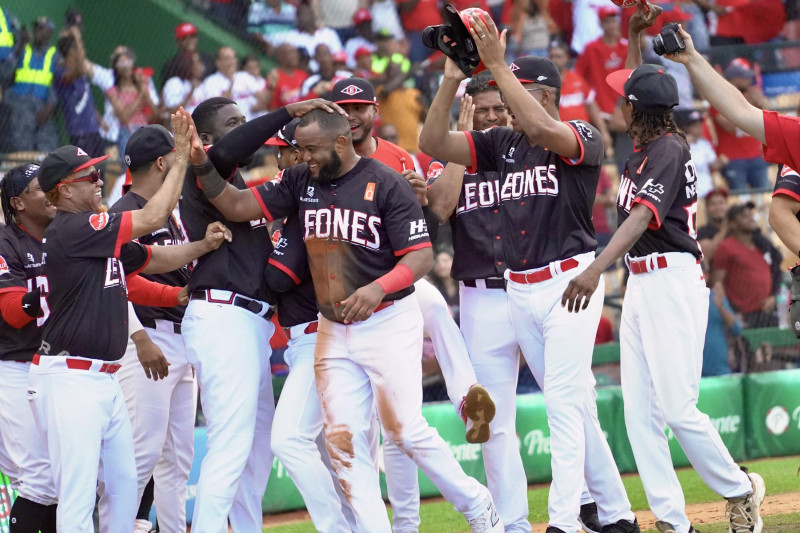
{"x":459,"y":46}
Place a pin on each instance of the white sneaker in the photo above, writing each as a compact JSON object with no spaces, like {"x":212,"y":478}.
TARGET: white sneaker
{"x":744,"y":513}
{"x":142,"y":526}
{"x":488,"y":521}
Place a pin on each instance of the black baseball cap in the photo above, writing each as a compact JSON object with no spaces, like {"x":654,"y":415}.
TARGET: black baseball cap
{"x":353,"y":91}
{"x":736,"y":210}
{"x":648,"y":88}
{"x":285,"y":136}
{"x":62,"y":162}
{"x":533,"y":69}
{"x":686,"y":117}
{"x":147,"y":144}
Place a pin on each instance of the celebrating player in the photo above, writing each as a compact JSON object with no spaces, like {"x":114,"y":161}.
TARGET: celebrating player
{"x":665,"y":311}
{"x":547,"y":177}
{"x":70,"y":385}
{"x":359,"y":217}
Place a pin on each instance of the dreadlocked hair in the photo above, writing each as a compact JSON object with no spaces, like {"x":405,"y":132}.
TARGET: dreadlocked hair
{"x":6,"y":193}
{"x":647,"y":127}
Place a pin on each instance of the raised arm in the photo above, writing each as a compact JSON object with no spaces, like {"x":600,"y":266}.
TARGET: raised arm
{"x":723,"y":96}
{"x":783,"y":219}
{"x":169,"y":258}
{"x":640,"y":21}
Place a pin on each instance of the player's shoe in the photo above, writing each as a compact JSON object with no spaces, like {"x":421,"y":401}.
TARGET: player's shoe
{"x":478,"y":410}
{"x":588,"y":518}
{"x":622,"y":526}
{"x":488,"y":521}
{"x":666,"y":527}
{"x":142,"y":526}
{"x":744,"y":513}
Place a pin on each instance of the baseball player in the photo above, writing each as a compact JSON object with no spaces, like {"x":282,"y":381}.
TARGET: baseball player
{"x":71,"y":384}
{"x":665,"y":311}
{"x":162,"y":413}
{"x":479,"y":265}
{"x":358,"y":218}
{"x":547,"y":177}
{"x":228,"y":294}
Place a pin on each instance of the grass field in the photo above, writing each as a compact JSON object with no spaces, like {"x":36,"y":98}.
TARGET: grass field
{"x":780,"y":476}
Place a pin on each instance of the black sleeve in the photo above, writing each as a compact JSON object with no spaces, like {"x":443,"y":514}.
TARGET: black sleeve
{"x":244,"y":140}
{"x":487,"y":148}
{"x":592,"y":150}
{"x":134,"y":257}
{"x":432,"y":221}
{"x":663,"y":174}
{"x":287,"y":266}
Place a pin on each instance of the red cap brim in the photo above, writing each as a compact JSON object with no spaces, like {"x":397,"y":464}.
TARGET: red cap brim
{"x":494,"y":83}
{"x":616,"y":80}
{"x":274,"y":141}
{"x":90,"y":163}
{"x":355,"y":101}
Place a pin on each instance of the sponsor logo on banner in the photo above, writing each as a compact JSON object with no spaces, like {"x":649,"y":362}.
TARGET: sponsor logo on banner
{"x":98,"y":221}
{"x":725,"y":425}
{"x":777,"y":420}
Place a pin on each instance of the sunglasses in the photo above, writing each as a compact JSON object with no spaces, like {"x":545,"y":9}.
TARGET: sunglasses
{"x":94,"y":177}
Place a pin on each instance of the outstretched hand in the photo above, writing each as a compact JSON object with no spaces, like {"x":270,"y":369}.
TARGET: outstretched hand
{"x":216,"y":234}
{"x":491,"y":45}
{"x":298,"y":109}
{"x":182,"y":129}
{"x":644,"y":17}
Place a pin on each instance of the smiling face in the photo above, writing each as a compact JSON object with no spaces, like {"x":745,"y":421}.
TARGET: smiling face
{"x":321,"y":151}
{"x":79,"y":191}
{"x":33,"y":204}
{"x":361,"y":118}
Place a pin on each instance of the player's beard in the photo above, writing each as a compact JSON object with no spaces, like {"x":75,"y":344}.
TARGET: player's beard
{"x":330,"y":170}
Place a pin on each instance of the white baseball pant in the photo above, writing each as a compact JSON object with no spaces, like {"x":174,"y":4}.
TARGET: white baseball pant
{"x":83,"y":415}
{"x":402,"y":479}
{"x":378,"y":362}
{"x":229,"y":349}
{"x":162,"y":418}
{"x":296,"y":433}
{"x":558,"y":346}
{"x":24,"y":445}
{"x":662,"y":334}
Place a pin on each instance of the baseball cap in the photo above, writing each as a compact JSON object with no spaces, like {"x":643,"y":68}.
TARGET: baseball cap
{"x":285,"y":136}
{"x":716,"y":191}
{"x":147,"y":144}
{"x":339,"y":57}
{"x":737,"y":209}
{"x":362,"y":51}
{"x":533,"y":69}
{"x":62,"y":162}
{"x":19,"y":177}
{"x":361,"y":15}
{"x":384,"y":33}
{"x":353,"y":91}
{"x":648,"y":88}
{"x":607,"y":11}
{"x":184,"y":29}
{"x":686,"y":117}
{"x":738,"y":68}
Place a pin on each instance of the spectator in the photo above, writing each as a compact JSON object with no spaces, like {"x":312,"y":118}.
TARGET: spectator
{"x":703,"y":154}
{"x":577,"y":97}
{"x":71,"y":83}
{"x":415,"y":16}
{"x":130,"y":96}
{"x":385,"y":16}
{"x":12,"y":42}
{"x":586,"y":23}
{"x":603,"y":56}
{"x":285,"y":81}
{"x":716,"y":230}
{"x":31,"y":98}
{"x":186,"y":39}
{"x":401,"y":105}
{"x":440,"y":278}
{"x":388,"y":133}
{"x":183,"y":89}
{"x":267,"y":18}
{"x":722,"y":322}
{"x":239,"y":86}
{"x":365,"y":37}
{"x":747,"y":165}
{"x":746,"y":270}
{"x":309,"y":34}
{"x":363,"y":66}
{"x":338,"y":15}
{"x":387,"y":52}
{"x":320,"y":84}
{"x":531,"y":33}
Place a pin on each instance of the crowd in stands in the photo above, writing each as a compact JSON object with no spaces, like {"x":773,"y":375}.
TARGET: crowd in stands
{"x":44,"y":70}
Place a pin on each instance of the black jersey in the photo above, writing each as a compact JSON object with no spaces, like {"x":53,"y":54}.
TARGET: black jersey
{"x":477,"y":226}
{"x":87,"y":256}
{"x":21,"y":270}
{"x":355,"y":228}
{"x":297,"y":305}
{"x":170,"y":234}
{"x":788,"y":184}
{"x":662,"y":177}
{"x":236,"y":266}
{"x":547,"y":199}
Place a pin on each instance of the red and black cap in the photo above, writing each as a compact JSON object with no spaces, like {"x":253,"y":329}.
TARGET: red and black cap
{"x":648,"y":88}
{"x":533,"y":69}
{"x":353,"y":91}
{"x":285,"y":136}
{"x":62,"y":162}
{"x":147,"y":144}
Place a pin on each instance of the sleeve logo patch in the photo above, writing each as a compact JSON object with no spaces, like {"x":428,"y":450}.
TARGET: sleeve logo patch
{"x":3,"y":266}
{"x":435,"y":170}
{"x":369,"y":192}
{"x":786,"y":170}
{"x":98,"y":221}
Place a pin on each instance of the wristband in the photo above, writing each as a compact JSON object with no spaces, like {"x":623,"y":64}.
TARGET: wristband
{"x":211,"y":183}
{"x":32,"y":303}
{"x":397,"y":279}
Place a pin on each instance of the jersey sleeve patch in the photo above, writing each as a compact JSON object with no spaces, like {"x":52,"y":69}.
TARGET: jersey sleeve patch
{"x":434,"y":171}
{"x":4,"y":266}
{"x":98,"y":221}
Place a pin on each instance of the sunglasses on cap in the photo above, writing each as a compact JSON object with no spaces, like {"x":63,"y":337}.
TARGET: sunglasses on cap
{"x":94,"y":177}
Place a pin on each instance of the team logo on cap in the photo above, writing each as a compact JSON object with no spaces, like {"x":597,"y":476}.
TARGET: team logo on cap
{"x":81,"y":153}
{"x":513,"y":67}
{"x":435,"y":170}
{"x":541,"y":78}
{"x":98,"y":221}
{"x":3,"y":266}
{"x":352,"y":90}
{"x":128,"y":160}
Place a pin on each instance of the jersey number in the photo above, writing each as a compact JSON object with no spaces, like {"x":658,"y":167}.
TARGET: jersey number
{"x":44,"y":290}
{"x":691,"y":219}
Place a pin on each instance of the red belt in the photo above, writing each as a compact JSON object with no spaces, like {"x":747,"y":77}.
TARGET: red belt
{"x":639,"y":266}
{"x":310,"y":328}
{"x":83,"y":364}
{"x":383,"y":306}
{"x":542,"y":275}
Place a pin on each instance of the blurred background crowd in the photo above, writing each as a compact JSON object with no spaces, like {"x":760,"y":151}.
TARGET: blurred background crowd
{"x":93,"y":74}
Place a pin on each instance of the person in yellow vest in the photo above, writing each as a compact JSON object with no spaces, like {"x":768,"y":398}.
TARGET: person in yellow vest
{"x":9,"y":40}
{"x":31,"y":97}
